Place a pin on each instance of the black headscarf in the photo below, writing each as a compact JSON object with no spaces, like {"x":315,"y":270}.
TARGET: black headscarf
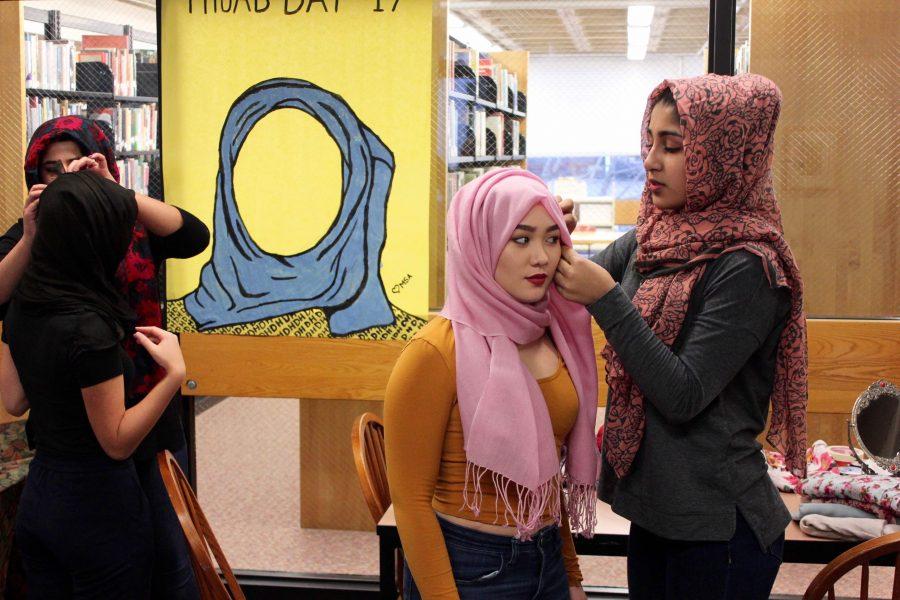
{"x":85,"y":225}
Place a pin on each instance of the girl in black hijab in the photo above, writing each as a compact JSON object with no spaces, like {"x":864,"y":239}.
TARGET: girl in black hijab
{"x":162,"y":232}
{"x":83,"y":525}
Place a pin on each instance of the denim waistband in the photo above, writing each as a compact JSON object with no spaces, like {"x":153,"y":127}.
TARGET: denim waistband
{"x":463,"y":535}
{"x":71,"y":463}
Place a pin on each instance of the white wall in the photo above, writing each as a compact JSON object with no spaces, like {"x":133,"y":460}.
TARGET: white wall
{"x":592,"y":105}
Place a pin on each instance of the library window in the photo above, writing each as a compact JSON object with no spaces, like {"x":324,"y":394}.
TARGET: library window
{"x":836,"y":157}
{"x":589,"y":72}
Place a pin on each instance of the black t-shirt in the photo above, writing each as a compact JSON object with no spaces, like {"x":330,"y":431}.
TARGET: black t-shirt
{"x":56,"y":356}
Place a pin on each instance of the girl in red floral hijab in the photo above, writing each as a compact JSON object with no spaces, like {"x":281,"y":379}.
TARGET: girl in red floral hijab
{"x":702,"y":308}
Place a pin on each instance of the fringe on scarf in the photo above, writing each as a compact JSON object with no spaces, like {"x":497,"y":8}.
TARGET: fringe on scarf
{"x":530,"y":505}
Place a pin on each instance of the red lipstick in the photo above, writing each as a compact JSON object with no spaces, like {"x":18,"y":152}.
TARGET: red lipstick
{"x":537,"y":280}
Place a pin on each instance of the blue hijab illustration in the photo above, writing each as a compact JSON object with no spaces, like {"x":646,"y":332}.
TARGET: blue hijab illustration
{"x":243,"y":283}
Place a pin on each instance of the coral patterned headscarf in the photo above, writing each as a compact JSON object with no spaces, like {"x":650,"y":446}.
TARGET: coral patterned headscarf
{"x":729,"y":126}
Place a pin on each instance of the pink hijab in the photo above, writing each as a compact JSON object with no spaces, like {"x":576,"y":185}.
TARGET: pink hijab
{"x":506,"y":424}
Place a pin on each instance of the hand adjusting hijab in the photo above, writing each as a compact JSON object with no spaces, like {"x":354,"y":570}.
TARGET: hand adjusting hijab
{"x":506,"y":424}
{"x":84,"y":229}
{"x":729,"y":126}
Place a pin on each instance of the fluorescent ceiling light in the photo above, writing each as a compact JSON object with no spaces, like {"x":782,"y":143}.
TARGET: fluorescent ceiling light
{"x":640,"y":15}
{"x":638,"y":36}
{"x":637,"y":52}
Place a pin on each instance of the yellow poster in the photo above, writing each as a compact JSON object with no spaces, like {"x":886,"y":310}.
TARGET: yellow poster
{"x":300,"y":132}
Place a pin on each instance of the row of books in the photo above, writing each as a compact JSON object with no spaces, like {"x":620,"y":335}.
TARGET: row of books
{"x":463,"y":55}
{"x":50,"y":64}
{"x":43,"y":109}
{"x":457,"y":179}
{"x":133,"y":128}
{"x":134,"y":173}
{"x":506,"y":83}
{"x":474,"y":131}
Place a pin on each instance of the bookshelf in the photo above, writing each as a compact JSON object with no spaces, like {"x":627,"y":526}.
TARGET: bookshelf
{"x":102,"y":77}
{"x":88,"y":96}
{"x":487,"y":110}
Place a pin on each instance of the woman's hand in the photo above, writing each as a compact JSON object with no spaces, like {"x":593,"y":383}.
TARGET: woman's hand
{"x":102,"y":167}
{"x":576,"y":592}
{"x":581,"y":280}
{"x":95,"y":163}
{"x":568,"y":210}
{"x":29,"y":215}
{"x":163,"y":347}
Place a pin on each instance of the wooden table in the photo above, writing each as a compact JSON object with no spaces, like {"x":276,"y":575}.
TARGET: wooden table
{"x":611,"y":538}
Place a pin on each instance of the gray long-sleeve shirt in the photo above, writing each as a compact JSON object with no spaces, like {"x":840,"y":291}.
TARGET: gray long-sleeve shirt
{"x":706,"y":401}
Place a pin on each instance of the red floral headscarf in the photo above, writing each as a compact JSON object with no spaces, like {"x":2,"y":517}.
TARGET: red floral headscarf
{"x":729,"y":126}
{"x":88,"y":134}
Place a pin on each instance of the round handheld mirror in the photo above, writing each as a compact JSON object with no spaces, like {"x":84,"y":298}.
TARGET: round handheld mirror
{"x":875,"y":419}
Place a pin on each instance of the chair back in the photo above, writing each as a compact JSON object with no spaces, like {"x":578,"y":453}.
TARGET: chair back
{"x":367,"y":438}
{"x":206,"y":554}
{"x":858,"y":556}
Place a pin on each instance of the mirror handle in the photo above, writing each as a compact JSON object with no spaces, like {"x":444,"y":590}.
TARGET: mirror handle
{"x":865,"y":468}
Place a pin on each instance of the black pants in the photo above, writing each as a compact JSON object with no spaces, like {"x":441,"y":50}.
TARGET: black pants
{"x":173,"y":576}
{"x":739,"y":569}
{"x":83,"y":528}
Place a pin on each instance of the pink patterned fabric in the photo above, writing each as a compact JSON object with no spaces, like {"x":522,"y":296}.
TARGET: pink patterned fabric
{"x":819,"y":459}
{"x":729,"y":125}
{"x":878,"y":494}
{"x":784,"y":480}
{"x":506,"y":424}
{"x":869,"y":507}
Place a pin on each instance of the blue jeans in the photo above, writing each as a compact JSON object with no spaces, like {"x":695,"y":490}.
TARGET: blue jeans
{"x":738,"y":569}
{"x":83,"y":529}
{"x":173,"y":575}
{"x":500,"y":567}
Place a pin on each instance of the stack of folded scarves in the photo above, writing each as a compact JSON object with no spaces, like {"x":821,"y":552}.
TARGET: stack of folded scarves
{"x":875,"y":494}
{"x":845,"y":507}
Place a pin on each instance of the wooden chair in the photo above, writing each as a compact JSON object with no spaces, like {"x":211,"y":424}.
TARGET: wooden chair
{"x":858,"y":556}
{"x":206,"y":554}
{"x":367,"y":438}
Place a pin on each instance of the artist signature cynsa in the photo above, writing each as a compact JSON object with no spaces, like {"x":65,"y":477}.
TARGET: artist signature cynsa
{"x":399,"y":287}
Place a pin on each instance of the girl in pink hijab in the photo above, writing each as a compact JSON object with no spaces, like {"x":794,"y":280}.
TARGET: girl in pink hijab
{"x":702,"y":308}
{"x":490,"y":409}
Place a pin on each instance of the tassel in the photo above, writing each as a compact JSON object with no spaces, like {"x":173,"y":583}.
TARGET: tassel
{"x":530,"y":505}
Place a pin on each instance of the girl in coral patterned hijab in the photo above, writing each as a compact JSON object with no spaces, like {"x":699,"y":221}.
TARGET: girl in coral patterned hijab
{"x":702,"y":310}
